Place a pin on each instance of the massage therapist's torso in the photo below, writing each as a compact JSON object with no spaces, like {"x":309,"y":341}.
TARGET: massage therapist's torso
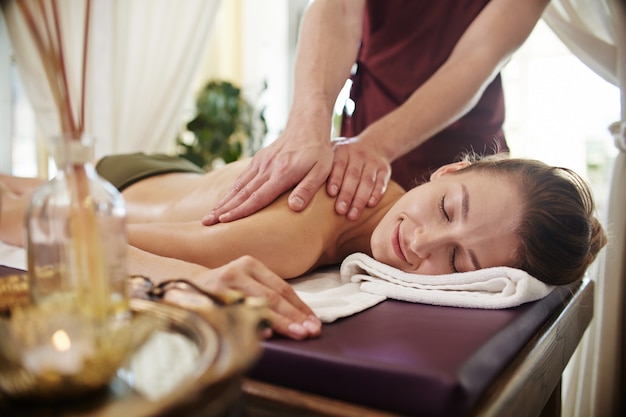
{"x":289,"y":243}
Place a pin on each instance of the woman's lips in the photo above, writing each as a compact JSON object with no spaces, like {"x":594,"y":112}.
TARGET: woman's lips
{"x":395,"y":243}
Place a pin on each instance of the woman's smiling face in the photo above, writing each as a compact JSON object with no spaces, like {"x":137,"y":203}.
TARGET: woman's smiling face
{"x":454,"y":223}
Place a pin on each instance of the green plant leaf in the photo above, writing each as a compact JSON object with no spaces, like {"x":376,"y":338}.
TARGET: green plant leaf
{"x":224,"y":122}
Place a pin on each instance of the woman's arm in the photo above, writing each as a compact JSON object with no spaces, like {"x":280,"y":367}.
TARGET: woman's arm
{"x":288,"y":243}
{"x":288,"y":314}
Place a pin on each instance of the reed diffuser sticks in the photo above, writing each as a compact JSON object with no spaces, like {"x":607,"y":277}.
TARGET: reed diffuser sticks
{"x":44,"y":25}
{"x":86,"y":260}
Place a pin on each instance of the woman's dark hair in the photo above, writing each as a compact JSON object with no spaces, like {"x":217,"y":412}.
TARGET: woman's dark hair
{"x":559,"y":234}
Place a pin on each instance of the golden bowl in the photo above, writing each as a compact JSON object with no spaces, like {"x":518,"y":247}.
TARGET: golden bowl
{"x":191,"y":365}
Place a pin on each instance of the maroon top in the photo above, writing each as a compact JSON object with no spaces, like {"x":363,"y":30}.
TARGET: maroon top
{"x":404,"y":43}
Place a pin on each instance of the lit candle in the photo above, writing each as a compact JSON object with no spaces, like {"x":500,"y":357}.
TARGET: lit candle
{"x":61,"y":355}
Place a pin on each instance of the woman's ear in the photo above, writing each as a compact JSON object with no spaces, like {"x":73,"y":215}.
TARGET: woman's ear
{"x":446,"y":169}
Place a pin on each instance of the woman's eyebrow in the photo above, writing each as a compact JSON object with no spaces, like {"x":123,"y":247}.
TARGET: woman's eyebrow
{"x":465,"y":204}
{"x":465,"y":201}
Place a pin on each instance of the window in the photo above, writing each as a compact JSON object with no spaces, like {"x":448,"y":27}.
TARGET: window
{"x":559,"y":110}
{"x":17,"y":119}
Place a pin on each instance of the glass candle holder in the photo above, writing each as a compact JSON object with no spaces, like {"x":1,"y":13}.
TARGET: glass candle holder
{"x":54,"y":355}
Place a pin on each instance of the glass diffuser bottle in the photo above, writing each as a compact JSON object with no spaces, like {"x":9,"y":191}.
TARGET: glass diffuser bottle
{"x":76,"y":238}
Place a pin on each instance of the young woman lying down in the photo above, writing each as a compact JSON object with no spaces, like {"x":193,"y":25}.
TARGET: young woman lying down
{"x":472,"y":214}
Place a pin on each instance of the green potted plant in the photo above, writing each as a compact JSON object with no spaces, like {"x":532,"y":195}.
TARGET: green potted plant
{"x":226,"y":127}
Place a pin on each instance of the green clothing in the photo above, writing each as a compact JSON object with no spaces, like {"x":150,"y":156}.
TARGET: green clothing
{"x":126,"y":169}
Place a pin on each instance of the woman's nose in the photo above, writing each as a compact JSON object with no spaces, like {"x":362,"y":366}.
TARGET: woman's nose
{"x":426,"y":242}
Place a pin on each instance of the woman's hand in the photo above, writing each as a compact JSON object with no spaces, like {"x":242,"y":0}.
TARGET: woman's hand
{"x":289,"y":315}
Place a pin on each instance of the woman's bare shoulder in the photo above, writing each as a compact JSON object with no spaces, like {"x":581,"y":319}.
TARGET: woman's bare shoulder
{"x":393,"y":192}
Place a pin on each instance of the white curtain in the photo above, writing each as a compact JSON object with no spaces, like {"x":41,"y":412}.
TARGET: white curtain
{"x":143,"y":56}
{"x":595,"y":30}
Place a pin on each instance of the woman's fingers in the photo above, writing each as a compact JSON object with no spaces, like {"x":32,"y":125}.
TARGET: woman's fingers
{"x":289,"y":315}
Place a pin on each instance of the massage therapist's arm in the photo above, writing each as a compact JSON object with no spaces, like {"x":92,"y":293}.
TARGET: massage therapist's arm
{"x":303,"y":154}
{"x":288,"y":315}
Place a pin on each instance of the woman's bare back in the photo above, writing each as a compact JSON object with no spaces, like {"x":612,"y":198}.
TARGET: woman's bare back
{"x":178,"y":197}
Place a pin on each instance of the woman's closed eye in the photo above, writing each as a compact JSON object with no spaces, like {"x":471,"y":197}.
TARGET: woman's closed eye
{"x":446,"y":216}
{"x":442,"y":208}
{"x":453,"y":260}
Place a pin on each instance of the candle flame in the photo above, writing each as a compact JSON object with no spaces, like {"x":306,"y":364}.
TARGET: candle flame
{"x":61,"y":340}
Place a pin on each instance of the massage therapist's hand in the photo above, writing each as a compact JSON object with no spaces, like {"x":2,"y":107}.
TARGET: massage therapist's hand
{"x":292,"y":160}
{"x":288,"y":315}
{"x":359,"y":176}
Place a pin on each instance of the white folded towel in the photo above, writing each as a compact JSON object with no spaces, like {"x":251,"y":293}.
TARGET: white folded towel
{"x":336,"y":295}
{"x":12,"y":256}
{"x":332,"y":297}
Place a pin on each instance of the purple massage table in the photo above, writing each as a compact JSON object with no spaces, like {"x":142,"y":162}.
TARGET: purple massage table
{"x":419,"y":360}
{"x":409,"y":359}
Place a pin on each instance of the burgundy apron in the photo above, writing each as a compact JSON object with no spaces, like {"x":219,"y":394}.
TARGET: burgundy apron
{"x":404,"y":43}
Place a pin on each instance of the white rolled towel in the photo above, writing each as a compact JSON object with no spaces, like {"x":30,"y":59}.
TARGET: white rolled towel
{"x":489,"y":288}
